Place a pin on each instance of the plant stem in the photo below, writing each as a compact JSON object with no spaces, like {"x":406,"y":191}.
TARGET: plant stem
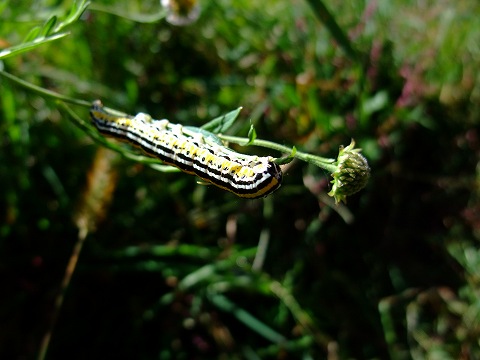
{"x":44,"y":92}
{"x":325,"y":16}
{"x":324,"y":163}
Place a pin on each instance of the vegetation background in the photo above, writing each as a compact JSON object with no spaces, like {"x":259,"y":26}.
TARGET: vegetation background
{"x":170,"y":269}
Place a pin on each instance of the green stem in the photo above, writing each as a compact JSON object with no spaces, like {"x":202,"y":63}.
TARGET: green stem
{"x":44,"y":92}
{"x":326,"y":17}
{"x":152,"y":162}
{"x":324,"y":163}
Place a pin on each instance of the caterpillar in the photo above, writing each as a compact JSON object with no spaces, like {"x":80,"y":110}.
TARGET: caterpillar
{"x":243,"y":175}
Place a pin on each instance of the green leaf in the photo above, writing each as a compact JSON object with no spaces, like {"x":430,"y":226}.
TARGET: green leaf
{"x":247,"y":318}
{"x":32,"y":34}
{"x":222,"y":123}
{"x":18,"y":49}
{"x":192,"y":130}
{"x":47,"y":28}
{"x":286,"y":159}
{"x":75,"y":12}
{"x":252,"y":135}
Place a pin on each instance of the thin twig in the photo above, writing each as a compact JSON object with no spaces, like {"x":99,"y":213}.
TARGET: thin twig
{"x":67,"y":277}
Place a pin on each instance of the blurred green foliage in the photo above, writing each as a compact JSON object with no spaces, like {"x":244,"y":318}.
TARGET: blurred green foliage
{"x":172,"y":269}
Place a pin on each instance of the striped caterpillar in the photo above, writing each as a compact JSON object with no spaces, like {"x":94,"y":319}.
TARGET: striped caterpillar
{"x":246,"y":176}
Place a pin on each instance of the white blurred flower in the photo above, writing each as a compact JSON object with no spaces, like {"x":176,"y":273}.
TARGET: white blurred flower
{"x":181,"y":12}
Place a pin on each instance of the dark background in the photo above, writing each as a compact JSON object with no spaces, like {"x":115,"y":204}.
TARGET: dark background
{"x":165,"y":270}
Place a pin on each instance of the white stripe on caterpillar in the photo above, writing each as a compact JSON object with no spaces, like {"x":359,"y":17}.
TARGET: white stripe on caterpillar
{"x":245,"y":176}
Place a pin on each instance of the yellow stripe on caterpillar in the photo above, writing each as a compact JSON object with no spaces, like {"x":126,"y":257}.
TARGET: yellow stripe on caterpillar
{"x":244,"y":175}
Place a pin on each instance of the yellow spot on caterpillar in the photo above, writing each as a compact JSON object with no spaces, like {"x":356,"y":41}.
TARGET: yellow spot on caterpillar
{"x":246,"y":176}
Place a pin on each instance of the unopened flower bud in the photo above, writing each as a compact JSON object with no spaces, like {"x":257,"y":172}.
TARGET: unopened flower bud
{"x":351,"y":175}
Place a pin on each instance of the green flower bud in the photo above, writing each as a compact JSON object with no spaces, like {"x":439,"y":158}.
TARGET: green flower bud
{"x":351,"y":174}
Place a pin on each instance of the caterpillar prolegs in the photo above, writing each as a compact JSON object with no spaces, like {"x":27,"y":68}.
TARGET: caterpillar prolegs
{"x":244,"y":175}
